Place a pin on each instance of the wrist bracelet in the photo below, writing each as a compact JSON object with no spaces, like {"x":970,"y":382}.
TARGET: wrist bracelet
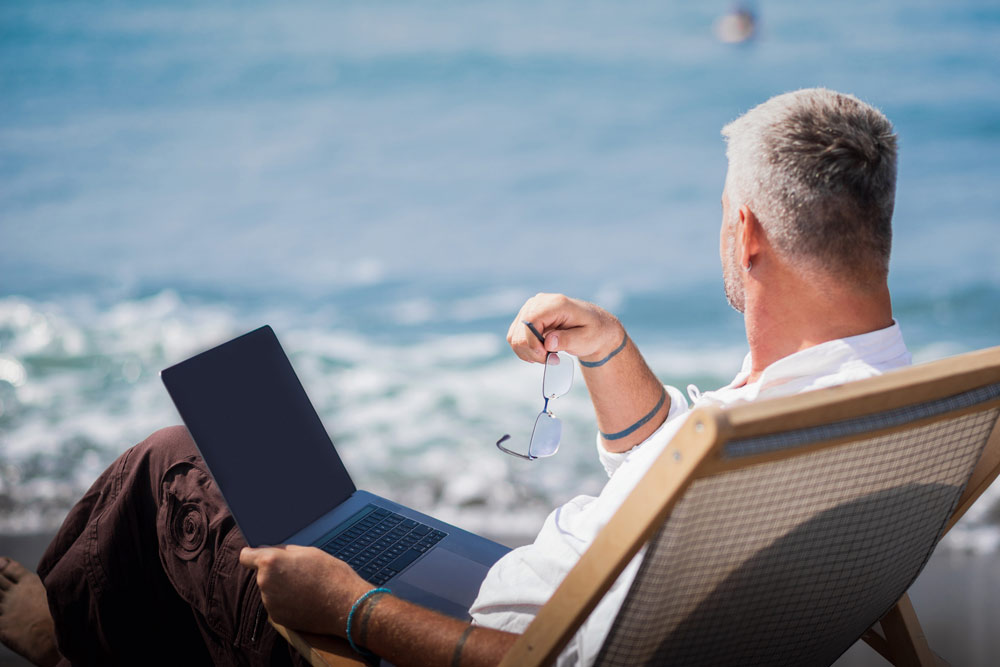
{"x":350,"y":617}
{"x":595,"y":364}
{"x":456,"y":656}
{"x":631,"y":429}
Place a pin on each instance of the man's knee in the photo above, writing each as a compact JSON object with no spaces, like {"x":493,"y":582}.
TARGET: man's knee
{"x":140,"y":470}
{"x":159,"y":452}
{"x":171,"y":442}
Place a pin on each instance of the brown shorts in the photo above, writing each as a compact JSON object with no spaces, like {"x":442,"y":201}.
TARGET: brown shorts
{"x":145,"y":569}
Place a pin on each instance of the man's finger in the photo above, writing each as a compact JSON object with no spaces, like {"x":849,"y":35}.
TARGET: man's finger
{"x":571,"y":340}
{"x":534,"y":331}
{"x":250,"y":557}
{"x":528,"y":348}
{"x":523,"y":343}
{"x":533,"y":342}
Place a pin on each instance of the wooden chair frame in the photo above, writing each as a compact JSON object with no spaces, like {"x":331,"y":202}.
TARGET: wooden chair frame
{"x":696,"y":452}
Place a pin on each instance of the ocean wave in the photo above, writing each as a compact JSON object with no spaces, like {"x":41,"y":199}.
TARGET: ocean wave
{"x":415,"y":418}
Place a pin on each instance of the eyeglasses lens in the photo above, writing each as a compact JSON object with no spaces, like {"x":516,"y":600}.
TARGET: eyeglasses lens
{"x":545,"y":436}
{"x":558,"y":376}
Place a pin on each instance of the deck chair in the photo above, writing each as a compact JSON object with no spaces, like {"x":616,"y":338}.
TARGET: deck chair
{"x":781,"y":532}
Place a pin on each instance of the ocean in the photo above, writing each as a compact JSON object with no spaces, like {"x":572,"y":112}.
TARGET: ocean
{"x":386,"y":183}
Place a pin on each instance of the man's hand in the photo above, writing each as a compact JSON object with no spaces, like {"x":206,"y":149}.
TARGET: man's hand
{"x":629,"y":401}
{"x":569,"y":325}
{"x":305,"y":588}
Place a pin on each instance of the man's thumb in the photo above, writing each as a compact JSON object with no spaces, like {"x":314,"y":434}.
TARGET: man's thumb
{"x":563,"y":340}
{"x":249,"y":557}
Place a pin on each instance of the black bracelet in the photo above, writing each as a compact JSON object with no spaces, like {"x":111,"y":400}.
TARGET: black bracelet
{"x":631,"y":429}
{"x":595,"y":364}
{"x":456,"y":657}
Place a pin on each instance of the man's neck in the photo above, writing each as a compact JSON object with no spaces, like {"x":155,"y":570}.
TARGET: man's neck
{"x":792,"y":315}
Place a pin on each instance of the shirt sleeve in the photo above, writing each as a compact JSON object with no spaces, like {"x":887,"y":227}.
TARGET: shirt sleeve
{"x":612,"y":460}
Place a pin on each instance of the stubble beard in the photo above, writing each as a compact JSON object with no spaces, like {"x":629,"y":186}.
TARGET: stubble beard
{"x":731,"y":279}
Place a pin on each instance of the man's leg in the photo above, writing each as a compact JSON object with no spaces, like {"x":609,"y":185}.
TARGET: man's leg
{"x":145,"y":568}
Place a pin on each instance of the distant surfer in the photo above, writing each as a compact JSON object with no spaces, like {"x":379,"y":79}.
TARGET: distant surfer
{"x":736,"y":26}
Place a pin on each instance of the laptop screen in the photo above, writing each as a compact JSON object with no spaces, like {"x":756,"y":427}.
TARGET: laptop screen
{"x":259,"y":435}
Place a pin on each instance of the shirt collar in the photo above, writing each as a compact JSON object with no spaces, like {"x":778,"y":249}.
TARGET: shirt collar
{"x":882,"y":349}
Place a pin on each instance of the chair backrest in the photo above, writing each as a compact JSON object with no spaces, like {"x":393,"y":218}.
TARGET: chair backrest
{"x":780,"y":531}
{"x":789,"y":562}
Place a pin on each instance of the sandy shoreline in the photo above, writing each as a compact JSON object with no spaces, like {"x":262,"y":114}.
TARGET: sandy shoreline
{"x":957,"y":597}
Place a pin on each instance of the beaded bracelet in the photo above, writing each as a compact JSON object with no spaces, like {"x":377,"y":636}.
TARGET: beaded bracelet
{"x":350,"y":617}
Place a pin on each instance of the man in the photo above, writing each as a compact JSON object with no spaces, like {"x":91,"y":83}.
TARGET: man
{"x":804,"y":244}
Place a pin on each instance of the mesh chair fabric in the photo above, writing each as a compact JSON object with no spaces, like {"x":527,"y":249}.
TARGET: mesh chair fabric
{"x":789,"y":562}
{"x":860,"y":425}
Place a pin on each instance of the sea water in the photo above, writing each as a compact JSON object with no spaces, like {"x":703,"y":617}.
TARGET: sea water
{"x":386,"y":183}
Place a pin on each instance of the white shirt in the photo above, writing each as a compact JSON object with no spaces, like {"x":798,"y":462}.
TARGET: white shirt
{"x":524,"y":579}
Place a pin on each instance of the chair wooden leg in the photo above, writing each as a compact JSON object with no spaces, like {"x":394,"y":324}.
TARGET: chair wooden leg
{"x":904,"y":637}
{"x":873,"y":637}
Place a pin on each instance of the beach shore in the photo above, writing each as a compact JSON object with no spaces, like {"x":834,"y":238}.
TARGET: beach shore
{"x":957,"y":598}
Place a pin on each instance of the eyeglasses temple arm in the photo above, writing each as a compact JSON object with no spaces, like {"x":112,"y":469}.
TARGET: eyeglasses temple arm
{"x":531,"y":327}
{"x":507,"y":451}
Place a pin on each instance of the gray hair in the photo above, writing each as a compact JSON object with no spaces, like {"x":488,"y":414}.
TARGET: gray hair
{"x":818,"y":170}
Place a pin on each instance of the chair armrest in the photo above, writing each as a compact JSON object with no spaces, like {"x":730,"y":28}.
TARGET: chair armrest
{"x":321,"y":650}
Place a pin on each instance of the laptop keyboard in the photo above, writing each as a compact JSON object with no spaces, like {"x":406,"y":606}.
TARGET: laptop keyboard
{"x":380,"y":543}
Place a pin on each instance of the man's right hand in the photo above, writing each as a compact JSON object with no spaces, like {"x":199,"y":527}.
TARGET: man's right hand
{"x":305,"y":588}
{"x":568,"y":325}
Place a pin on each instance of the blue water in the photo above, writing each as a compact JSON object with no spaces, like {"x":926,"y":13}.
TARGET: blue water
{"x":386,"y":183}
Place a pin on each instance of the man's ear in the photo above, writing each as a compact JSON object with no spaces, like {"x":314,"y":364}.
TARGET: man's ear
{"x":747,"y":236}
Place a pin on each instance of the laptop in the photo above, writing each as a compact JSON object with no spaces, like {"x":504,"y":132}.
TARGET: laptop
{"x":281,"y":476}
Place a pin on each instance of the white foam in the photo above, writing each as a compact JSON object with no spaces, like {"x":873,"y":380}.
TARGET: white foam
{"x":12,"y":371}
{"x":415,"y":419}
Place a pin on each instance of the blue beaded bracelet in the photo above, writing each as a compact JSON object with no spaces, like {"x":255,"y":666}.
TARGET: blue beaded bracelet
{"x":350,"y":617}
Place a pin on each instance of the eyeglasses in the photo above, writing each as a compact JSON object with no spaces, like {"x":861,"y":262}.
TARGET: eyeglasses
{"x":545,"y":436}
